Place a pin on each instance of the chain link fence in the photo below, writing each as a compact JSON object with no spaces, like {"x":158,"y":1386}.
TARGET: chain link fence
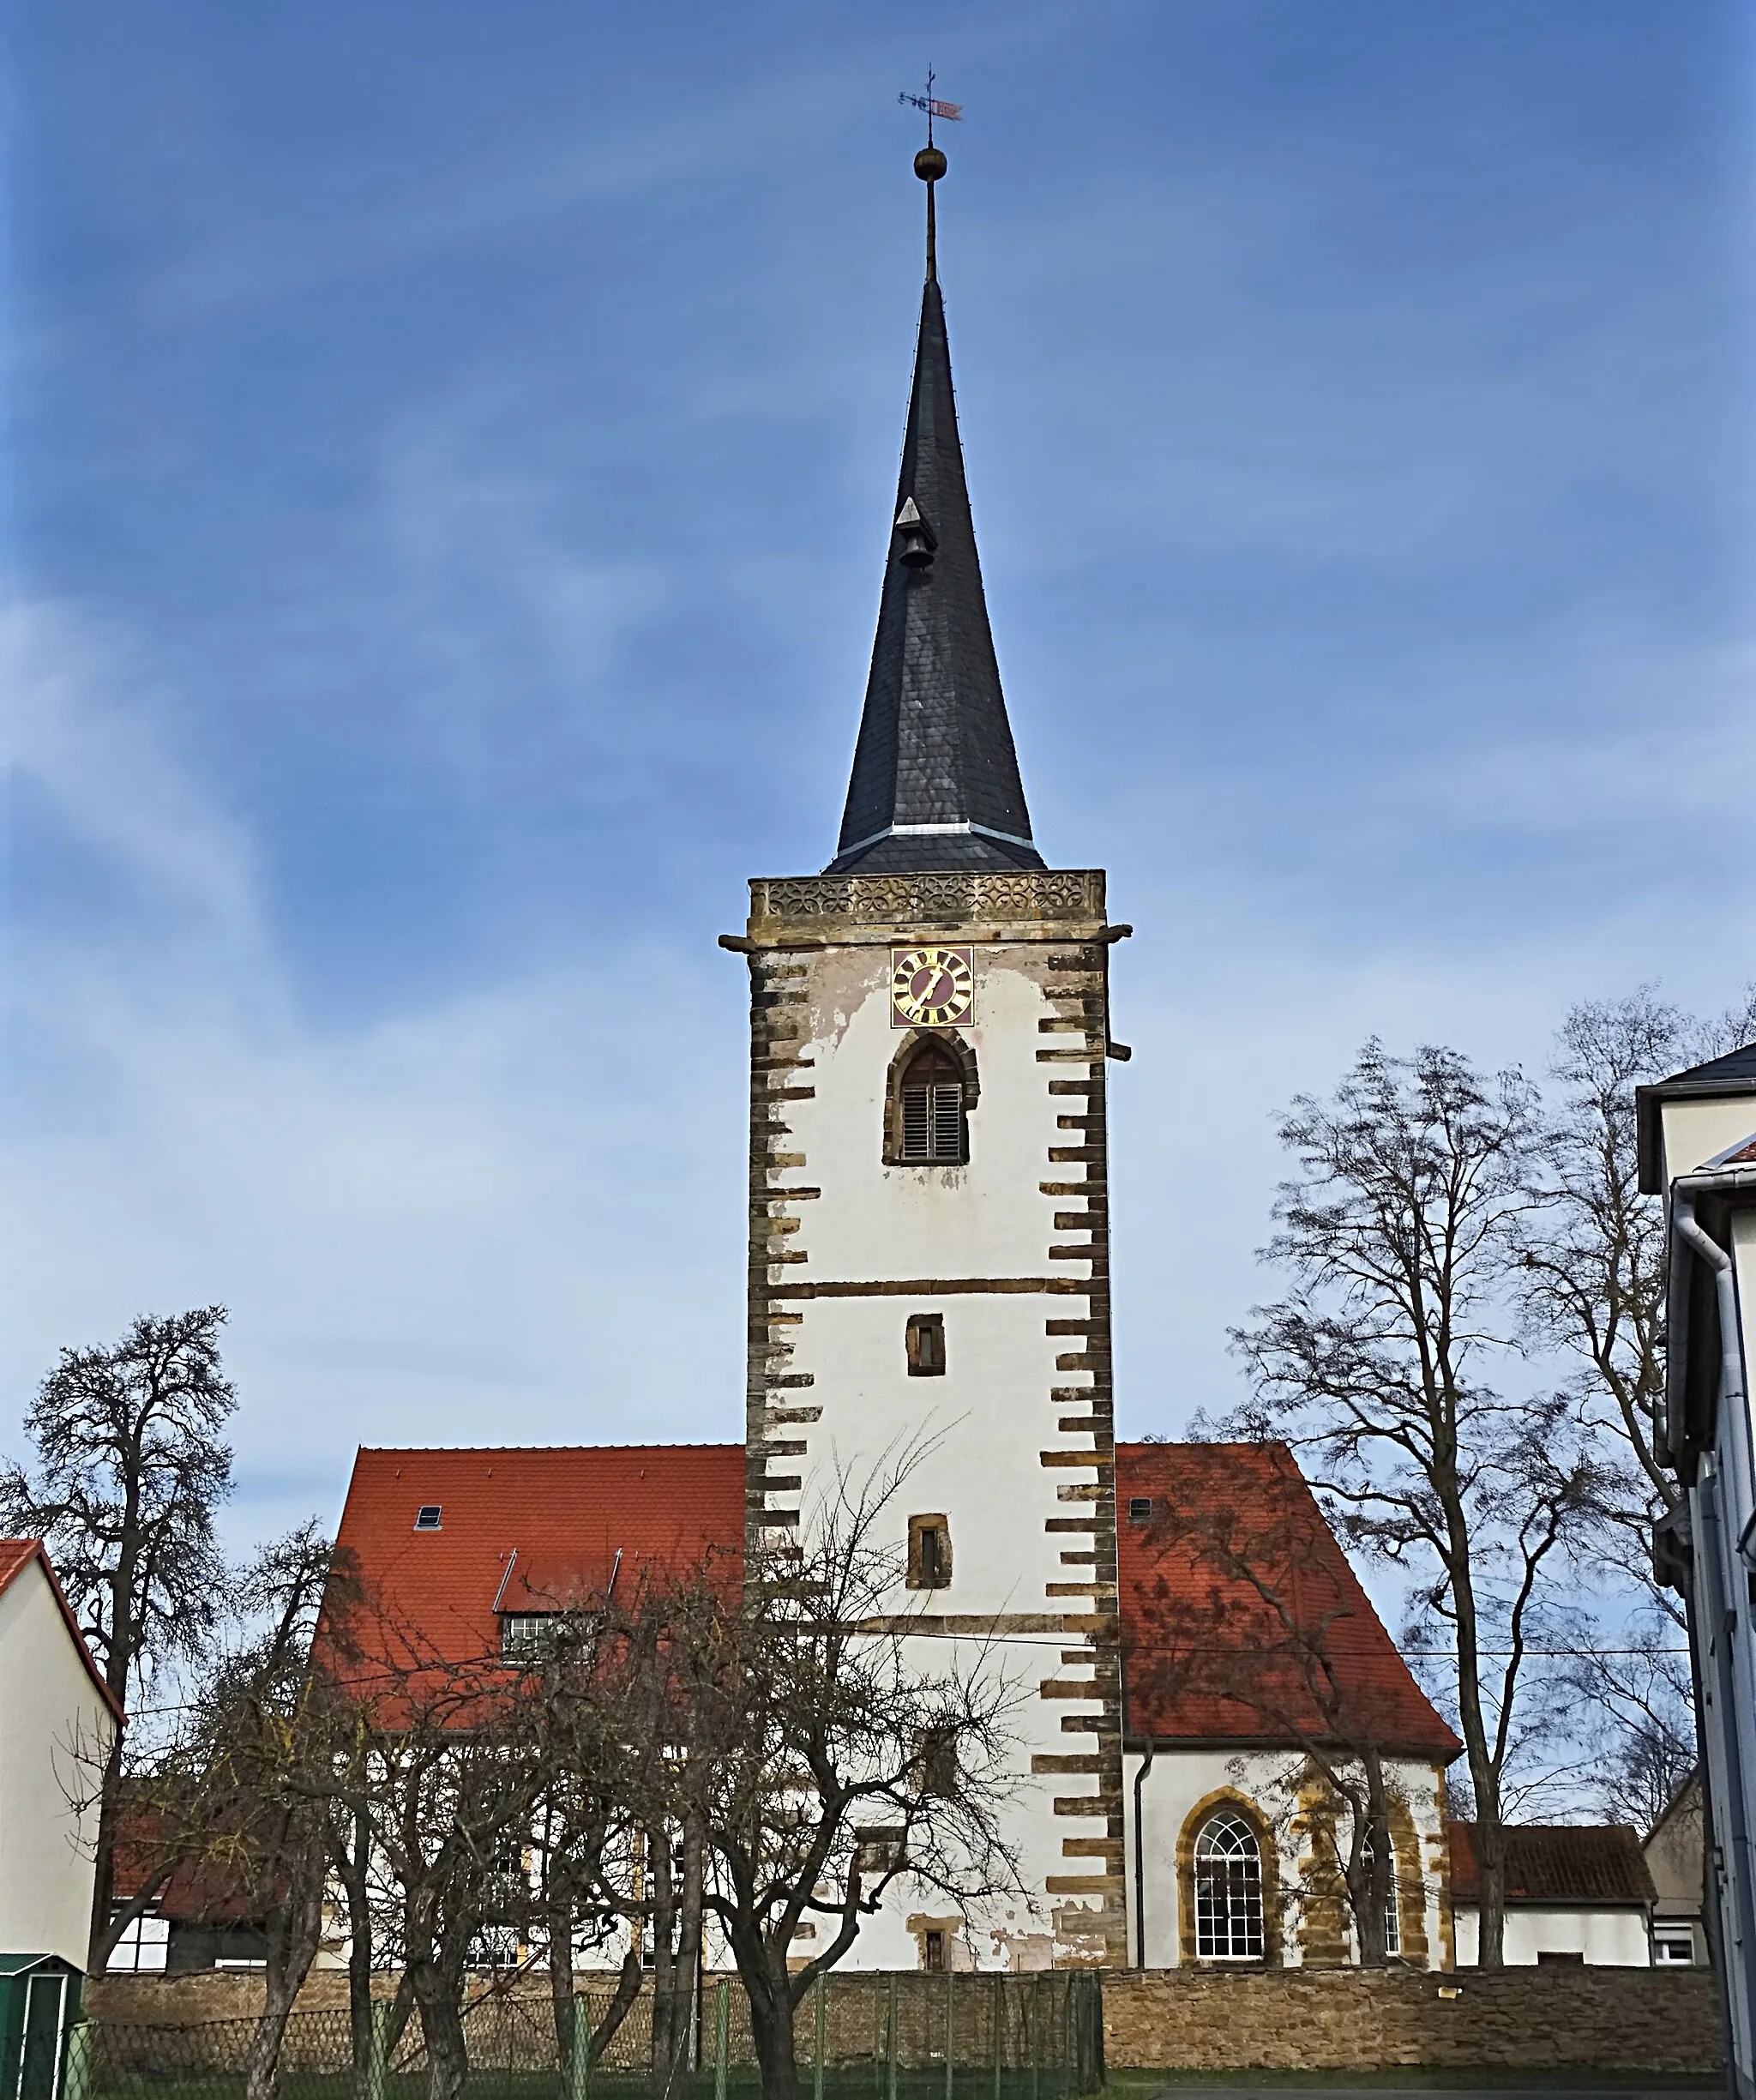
{"x":858,"y":2037}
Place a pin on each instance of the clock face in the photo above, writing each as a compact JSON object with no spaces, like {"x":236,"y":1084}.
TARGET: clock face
{"x":930,"y":987}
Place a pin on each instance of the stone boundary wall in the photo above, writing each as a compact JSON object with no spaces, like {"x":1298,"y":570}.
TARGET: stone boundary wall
{"x":1534,"y":2019}
{"x":211,"y":1993}
{"x":1631,"y":2019}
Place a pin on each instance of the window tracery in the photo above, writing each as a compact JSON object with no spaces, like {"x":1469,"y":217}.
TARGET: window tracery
{"x":1227,"y":1890}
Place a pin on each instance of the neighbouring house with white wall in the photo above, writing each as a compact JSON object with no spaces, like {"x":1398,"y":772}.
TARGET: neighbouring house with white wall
{"x":57,"y":1726}
{"x":1698,"y":1151}
{"x":1576,"y":1895}
{"x":1675,"y":1855}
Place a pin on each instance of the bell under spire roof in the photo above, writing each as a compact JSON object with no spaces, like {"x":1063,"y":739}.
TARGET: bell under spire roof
{"x":935,"y":778}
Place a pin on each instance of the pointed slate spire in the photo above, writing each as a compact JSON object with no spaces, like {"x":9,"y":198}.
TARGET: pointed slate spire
{"x":935,"y":778}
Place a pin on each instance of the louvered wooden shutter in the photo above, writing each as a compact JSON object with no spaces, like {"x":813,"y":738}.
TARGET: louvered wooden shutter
{"x":932,"y":1111}
{"x":947,"y":1122}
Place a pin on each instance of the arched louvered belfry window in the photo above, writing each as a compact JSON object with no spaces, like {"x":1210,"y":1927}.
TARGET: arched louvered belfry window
{"x":931,"y":1097}
{"x":1227,"y":1890}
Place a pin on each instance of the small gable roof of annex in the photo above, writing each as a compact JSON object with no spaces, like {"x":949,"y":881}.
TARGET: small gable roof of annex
{"x":18,"y":1554}
{"x":529,"y":1530}
{"x":1236,"y":1596}
{"x":1557,"y":1863}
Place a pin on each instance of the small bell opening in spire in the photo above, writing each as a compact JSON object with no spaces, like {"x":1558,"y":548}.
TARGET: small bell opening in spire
{"x":918,"y":537}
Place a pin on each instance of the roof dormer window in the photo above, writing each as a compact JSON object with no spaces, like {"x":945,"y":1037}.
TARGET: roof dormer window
{"x":427,"y":1517}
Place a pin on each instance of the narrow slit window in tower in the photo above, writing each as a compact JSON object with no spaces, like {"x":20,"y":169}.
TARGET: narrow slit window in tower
{"x":925,"y":1340}
{"x":930,"y":1553}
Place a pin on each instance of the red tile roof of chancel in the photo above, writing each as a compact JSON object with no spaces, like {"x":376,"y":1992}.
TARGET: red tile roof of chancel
{"x":533,"y":1530}
{"x":1557,"y":1863}
{"x":16,"y":1556}
{"x":1208,"y":1655}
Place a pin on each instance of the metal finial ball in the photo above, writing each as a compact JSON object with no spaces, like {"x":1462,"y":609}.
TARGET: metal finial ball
{"x":930,"y":164}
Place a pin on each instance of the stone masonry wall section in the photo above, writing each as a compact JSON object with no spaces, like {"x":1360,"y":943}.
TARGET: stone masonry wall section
{"x":1519,"y":2019}
{"x":1522,"y":2020}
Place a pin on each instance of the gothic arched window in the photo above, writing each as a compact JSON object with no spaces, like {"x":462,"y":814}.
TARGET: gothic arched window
{"x":930,"y":1099}
{"x":1227,"y":1890}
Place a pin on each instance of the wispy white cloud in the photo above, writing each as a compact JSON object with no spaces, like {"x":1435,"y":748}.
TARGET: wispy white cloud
{"x":492,"y":1216}
{"x":74,"y":732}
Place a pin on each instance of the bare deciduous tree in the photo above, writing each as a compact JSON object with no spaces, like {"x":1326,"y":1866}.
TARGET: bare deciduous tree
{"x":1593,"y":1259}
{"x":826,"y":1760}
{"x":267,"y":1732}
{"x":130,"y":1470}
{"x":1400,"y":1231}
{"x":1593,"y":1262}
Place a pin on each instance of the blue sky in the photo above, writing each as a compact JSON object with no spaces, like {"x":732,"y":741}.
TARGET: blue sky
{"x":449,"y":454}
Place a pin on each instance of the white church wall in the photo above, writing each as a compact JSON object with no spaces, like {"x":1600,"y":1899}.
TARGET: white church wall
{"x":1186,"y":1780}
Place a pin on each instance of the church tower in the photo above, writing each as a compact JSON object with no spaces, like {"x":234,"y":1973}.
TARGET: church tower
{"x":929,"y":1218}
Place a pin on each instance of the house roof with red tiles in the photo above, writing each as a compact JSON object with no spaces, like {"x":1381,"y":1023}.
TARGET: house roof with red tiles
{"x":1557,"y":1863}
{"x":1241,"y":1619}
{"x":16,"y":1556}
{"x":443,"y":1542}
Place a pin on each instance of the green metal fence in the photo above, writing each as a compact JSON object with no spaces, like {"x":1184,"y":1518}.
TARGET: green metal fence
{"x":858,"y":2037}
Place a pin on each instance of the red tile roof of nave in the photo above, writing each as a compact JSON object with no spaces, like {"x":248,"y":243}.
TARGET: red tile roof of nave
{"x":559,"y":1515}
{"x":1168,"y":1592}
{"x":16,"y":1556}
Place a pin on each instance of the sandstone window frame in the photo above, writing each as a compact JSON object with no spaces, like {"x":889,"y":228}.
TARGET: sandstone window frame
{"x":1202,"y":1812}
{"x":961,"y":1069}
{"x":930,"y":1551}
{"x":923,"y":1344}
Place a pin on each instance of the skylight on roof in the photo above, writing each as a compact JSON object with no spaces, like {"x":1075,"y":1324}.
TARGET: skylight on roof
{"x":427,"y":1517}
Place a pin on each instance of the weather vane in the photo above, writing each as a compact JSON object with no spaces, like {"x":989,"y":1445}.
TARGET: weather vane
{"x":952,"y":112}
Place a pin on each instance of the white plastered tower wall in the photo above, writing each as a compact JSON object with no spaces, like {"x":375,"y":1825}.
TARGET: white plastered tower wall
{"x":1186,"y":1783}
{"x":1015,"y":1440}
